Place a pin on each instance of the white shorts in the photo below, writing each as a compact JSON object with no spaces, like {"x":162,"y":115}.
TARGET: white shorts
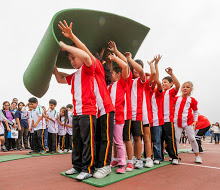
{"x":2,"y":130}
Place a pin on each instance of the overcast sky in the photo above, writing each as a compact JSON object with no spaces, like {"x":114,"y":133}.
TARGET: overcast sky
{"x":186,"y":33}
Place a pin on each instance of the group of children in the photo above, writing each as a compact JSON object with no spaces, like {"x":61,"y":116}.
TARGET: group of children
{"x":114,"y":99}
{"x":37,"y":121}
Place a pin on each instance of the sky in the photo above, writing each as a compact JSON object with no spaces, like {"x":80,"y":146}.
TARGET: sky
{"x":185,"y":33}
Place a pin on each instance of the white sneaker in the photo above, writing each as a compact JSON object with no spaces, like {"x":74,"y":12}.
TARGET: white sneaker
{"x":190,"y":151}
{"x":65,"y":150}
{"x":149,"y":163}
{"x":198,"y":160}
{"x":175,"y":162}
{"x":102,"y":172}
{"x":170,"y":159}
{"x":157,"y":162}
{"x":70,"y":151}
{"x":139,"y":164}
{"x":134,"y":160}
{"x":60,"y":151}
{"x":83,"y":175}
{"x":71,"y":171}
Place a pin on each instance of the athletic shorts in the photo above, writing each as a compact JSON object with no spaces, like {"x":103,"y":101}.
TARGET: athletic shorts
{"x":137,"y":128}
{"x":146,"y":125}
{"x":127,"y":130}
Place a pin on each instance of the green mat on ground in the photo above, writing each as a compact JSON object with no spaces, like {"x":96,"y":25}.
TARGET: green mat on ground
{"x":113,"y":177}
{"x":47,"y":154}
{"x":10,"y":157}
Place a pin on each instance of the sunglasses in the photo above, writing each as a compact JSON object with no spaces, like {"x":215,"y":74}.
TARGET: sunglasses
{"x":7,"y":105}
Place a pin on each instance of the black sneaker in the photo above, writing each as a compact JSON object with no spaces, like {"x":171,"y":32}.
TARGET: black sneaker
{"x":4,"y":149}
{"x":49,"y":151}
{"x":28,"y":148}
{"x":53,"y":152}
{"x":19,"y":149}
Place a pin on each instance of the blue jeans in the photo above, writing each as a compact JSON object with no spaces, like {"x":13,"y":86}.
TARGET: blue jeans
{"x":46,"y":138}
{"x":217,"y":137}
{"x":156,"y":132}
{"x":212,"y":135}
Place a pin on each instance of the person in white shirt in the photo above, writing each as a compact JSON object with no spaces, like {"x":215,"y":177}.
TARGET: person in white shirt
{"x":38,"y":125}
{"x":69,"y":130}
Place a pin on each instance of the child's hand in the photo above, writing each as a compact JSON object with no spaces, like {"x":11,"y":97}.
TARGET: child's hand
{"x":169,"y":71}
{"x":30,"y":129}
{"x":194,"y":125}
{"x":151,"y":62}
{"x":19,"y":128}
{"x":8,"y":129}
{"x":112,"y":57}
{"x":62,"y":44}
{"x":66,"y":30}
{"x":34,"y":125}
{"x":112,"y":46}
{"x":157,"y":58}
{"x":128,"y":55}
{"x":14,"y":126}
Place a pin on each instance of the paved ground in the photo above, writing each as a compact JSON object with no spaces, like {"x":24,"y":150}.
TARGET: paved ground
{"x":44,"y":173}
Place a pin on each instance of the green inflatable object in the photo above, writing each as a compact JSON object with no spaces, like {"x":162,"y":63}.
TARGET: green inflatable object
{"x":94,"y":28}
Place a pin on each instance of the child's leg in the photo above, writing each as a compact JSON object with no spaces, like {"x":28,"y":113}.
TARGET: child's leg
{"x":78,"y":145}
{"x":178,"y":131}
{"x":191,"y":135}
{"x":20,"y":135}
{"x":156,"y":140}
{"x":71,"y":142}
{"x":2,"y":140}
{"x":62,"y":141}
{"x":171,"y":140}
{"x":67,"y":136}
{"x":54,"y":142}
{"x":127,"y":139}
{"x":50,"y":141}
{"x":107,"y":126}
{"x":40,"y":137}
{"x":98,"y":140}
{"x":118,"y":140}
{"x":36,"y":146}
{"x":147,"y":141}
{"x":25,"y":137}
{"x":87,"y":127}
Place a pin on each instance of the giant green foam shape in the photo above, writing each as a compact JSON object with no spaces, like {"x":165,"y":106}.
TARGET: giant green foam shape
{"x":94,"y":28}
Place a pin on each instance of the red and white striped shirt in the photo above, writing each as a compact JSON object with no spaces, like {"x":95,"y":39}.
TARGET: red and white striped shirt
{"x":168,"y":102}
{"x":137,"y":89}
{"x":157,"y":107}
{"x":183,"y":115}
{"x":82,"y":82}
{"x":147,"y":109}
{"x":202,"y":122}
{"x":117,"y":92}
{"x":103,"y":99}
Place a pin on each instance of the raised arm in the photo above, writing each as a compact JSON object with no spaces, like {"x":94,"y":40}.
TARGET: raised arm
{"x":157,"y":80}
{"x":136,"y":66}
{"x":60,"y":77}
{"x":122,"y":64}
{"x":113,"y":49}
{"x":152,"y":72}
{"x":175,"y":81}
{"x":67,"y":32}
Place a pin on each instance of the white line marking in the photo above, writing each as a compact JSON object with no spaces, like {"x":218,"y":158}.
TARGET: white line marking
{"x":201,"y":166}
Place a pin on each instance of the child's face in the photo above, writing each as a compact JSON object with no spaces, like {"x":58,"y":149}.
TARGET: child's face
{"x":33,"y":105}
{"x":69,"y":109}
{"x":186,"y":89}
{"x":44,"y":109}
{"x":75,"y":61}
{"x":166,"y":85}
{"x":13,"y":106}
{"x":62,"y":112}
{"x":21,"y":106}
{"x":115,"y":76}
{"x":135,"y":74}
{"x":52,"y":106}
{"x":30,"y":107}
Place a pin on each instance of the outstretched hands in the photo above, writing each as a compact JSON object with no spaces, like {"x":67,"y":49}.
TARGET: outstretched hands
{"x":157,"y":58}
{"x":128,"y":55}
{"x":111,"y":56}
{"x":169,"y":71}
{"x":66,"y":30}
{"x":112,"y":46}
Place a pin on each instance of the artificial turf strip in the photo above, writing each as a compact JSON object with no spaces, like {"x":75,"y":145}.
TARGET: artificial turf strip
{"x":47,"y":154}
{"x":113,"y":177}
{"x":11,"y":157}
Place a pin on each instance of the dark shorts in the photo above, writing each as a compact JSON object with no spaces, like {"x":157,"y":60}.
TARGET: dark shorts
{"x":137,"y":128}
{"x":2,"y":135}
{"x":127,"y":130}
{"x":146,"y":125}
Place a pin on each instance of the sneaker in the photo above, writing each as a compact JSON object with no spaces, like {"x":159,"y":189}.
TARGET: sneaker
{"x":139,"y":164}
{"x":149,"y":163}
{"x":53,"y":152}
{"x":114,"y":163}
{"x":33,"y":152}
{"x":198,"y":160}
{"x":102,"y":172}
{"x":28,"y":148}
{"x":48,"y":151}
{"x":83,"y":175}
{"x":65,"y":150}
{"x":19,"y":149}
{"x":170,"y":159}
{"x":191,"y":152}
{"x":157,"y":162}
{"x":14,"y":148}
{"x":71,"y":171}
{"x":42,"y":152}
{"x":130,"y":167}
{"x":4,"y":149}
{"x":134,"y":160}
{"x":61,"y":151}
{"x":175,"y":162}
{"x":120,"y":170}
{"x":70,"y":151}
{"x":165,"y":152}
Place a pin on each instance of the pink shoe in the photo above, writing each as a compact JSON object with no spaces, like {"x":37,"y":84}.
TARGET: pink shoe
{"x":120,"y":170}
{"x":130,"y":167}
{"x":114,"y":163}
